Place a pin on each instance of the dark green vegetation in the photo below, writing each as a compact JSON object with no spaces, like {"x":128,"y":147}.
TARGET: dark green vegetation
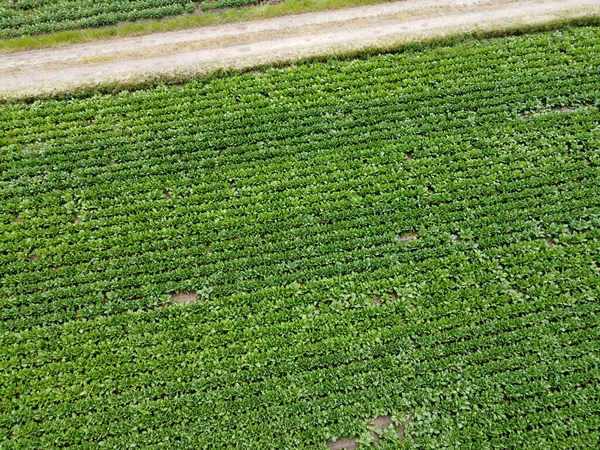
{"x":414,"y":234}
{"x":31,"y":17}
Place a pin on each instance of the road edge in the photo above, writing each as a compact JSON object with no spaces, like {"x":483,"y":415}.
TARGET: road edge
{"x":177,"y":23}
{"x":147,"y":81}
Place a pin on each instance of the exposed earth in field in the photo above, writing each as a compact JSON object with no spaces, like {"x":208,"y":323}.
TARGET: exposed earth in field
{"x":284,"y":38}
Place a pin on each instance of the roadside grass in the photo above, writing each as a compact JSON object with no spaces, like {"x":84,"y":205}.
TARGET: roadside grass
{"x":141,"y":28}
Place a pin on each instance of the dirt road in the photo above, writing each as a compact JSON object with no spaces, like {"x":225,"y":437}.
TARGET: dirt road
{"x":251,"y":43}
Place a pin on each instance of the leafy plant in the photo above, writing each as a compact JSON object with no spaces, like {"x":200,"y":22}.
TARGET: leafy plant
{"x":413,"y":234}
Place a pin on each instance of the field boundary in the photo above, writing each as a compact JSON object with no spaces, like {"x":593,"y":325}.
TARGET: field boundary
{"x":176,"y":23}
{"x":147,"y":81}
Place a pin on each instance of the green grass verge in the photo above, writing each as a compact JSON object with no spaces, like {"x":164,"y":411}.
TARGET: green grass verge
{"x":411,"y":238}
{"x":177,"y":23}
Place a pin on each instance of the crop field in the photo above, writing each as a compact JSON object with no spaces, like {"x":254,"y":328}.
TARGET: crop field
{"x":31,"y":17}
{"x":400,"y":251}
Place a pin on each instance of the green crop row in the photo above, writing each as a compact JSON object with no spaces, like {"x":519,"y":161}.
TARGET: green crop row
{"x":414,"y":235}
{"x":32,"y":17}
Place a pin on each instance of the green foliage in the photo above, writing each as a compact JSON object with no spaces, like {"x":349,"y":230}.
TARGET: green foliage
{"x":414,"y":235}
{"x":207,"y":17}
{"x":33,"y":17}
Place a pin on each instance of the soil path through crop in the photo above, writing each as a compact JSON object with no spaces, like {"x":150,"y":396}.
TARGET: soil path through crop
{"x":287,"y":38}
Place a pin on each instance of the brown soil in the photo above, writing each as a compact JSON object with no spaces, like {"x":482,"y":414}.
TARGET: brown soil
{"x":565,"y":109}
{"x":342,"y":444}
{"x":184,"y":297}
{"x":561,"y":109}
{"x":407,"y":237}
{"x":382,"y":422}
{"x":401,"y":429}
{"x":375,"y":438}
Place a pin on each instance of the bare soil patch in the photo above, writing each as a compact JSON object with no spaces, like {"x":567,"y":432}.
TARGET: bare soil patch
{"x":342,"y":444}
{"x":377,"y":300}
{"x":543,"y":111}
{"x":379,"y":423}
{"x":382,"y":422}
{"x":407,"y":237}
{"x":184,"y":297}
{"x":401,"y":428}
{"x":564,"y":109}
